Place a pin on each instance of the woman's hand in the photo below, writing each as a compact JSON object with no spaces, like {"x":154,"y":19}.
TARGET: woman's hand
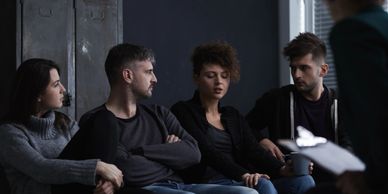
{"x":110,"y":172}
{"x":251,"y":180}
{"x":104,"y":187}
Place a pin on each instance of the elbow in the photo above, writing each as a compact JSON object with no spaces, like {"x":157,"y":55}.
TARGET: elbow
{"x":190,"y":160}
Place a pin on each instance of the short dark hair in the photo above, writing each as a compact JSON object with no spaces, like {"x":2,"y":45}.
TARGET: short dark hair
{"x":218,"y":52}
{"x":123,"y":55}
{"x":304,"y":44}
{"x":32,"y":79}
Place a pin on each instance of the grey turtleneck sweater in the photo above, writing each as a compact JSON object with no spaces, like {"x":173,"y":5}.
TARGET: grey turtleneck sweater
{"x":29,"y":157}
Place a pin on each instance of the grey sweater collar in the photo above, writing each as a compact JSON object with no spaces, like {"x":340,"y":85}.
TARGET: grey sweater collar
{"x":43,"y":126}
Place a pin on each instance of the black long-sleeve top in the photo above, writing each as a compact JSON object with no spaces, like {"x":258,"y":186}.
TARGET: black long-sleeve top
{"x":248,"y":154}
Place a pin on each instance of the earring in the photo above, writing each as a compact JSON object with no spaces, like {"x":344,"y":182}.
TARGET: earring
{"x":39,"y":100}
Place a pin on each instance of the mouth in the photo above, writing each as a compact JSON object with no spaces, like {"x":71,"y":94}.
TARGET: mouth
{"x":218,"y":90}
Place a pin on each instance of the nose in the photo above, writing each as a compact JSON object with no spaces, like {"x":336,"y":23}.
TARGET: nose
{"x":297,"y":73}
{"x":154,"y":79}
{"x":219,"y":79}
{"x":63,"y":89}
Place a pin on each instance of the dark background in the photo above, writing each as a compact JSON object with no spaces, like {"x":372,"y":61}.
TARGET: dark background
{"x":172,"y":28}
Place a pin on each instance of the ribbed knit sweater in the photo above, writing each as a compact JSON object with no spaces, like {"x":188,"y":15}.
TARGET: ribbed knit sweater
{"x":28,"y":155}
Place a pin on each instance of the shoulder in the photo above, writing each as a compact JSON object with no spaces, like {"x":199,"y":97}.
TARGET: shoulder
{"x":230,"y":112}
{"x":155,"y":109}
{"x":181,"y":106}
{"x":366,"y":24}
{"x":90,"y":115}
{"x":276,"y":93}
{"x":10,"y":132}
{"x":7,"y":128}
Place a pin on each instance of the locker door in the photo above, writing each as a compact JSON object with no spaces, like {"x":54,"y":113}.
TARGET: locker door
{"x":46,"y":30}
{"x":98,"y":27}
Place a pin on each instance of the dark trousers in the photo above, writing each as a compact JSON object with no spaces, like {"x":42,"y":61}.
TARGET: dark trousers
{"x":97,"y":138}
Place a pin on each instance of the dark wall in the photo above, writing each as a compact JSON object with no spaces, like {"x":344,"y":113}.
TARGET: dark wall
{"x":172,"y":28}
{"x":7,"y":51}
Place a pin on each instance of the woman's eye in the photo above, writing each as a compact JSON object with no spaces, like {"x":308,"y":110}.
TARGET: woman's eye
{"x":210,"y":75}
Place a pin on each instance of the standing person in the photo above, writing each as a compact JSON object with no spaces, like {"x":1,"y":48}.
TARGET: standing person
{"x":33,"y":135}
{"x":359,"y":41}
{"x":152,"y":144}
{"x":231,"y":155}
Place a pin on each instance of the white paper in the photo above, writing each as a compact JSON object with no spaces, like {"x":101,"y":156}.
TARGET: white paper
{"x":328,"y":155}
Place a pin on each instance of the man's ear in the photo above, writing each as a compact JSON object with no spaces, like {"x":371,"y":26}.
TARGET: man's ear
{"x":324,"y":70}
{"x":127,"y":75}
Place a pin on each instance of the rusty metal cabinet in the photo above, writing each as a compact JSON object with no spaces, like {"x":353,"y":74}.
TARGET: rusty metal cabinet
{"x":76,"y":34}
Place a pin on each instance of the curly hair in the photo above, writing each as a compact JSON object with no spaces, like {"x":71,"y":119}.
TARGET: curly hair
{"x":220,"y":53}
{"x":304,"y":44}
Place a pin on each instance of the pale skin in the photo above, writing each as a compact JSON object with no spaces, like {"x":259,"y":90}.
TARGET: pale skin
{"x":51,"y":99}
{"x":213,"y":83}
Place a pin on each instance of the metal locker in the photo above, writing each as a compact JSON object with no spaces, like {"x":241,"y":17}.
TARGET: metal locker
{"x":46,"y":31}
{"x":99,"y":27}
{"x":77,"y":35}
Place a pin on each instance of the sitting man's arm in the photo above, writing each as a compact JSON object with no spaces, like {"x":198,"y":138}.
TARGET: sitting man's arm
{"x":179,"y":151}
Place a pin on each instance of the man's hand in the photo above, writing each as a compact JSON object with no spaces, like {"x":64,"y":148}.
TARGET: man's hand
{"x":104,"y":187}
{"x":271,"y":147}
{"x":251,"y":180}
{"x":172,"y":139}
{"x":288,"y":169}
{"x":352,"y":182}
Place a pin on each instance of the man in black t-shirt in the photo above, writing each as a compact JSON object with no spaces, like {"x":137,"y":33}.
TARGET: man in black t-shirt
{"x":307,"y":102}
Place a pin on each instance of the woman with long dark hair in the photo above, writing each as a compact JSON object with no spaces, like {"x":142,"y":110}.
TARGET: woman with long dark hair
{"x":33,"y":135}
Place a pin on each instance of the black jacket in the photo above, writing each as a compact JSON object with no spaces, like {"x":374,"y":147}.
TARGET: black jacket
{"x":271,"y":116}
{"x":249,"y":155}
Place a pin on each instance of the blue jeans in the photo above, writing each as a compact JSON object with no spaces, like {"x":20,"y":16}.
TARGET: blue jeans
{"x":172,"y":187}
{"x":294,"y":184}
{"x":264,"y":186}
{"x":286,"y":185}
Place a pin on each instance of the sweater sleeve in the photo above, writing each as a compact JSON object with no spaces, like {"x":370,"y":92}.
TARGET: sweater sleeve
{"x":210,"y":155}
{"x":16,"y":151}
{"x":179,"y":155}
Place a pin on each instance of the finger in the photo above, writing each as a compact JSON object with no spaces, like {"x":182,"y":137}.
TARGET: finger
{"x":176,"y":139}
{"x":246,"y":181}
{"x":108,"y":187}
{"x":168,"y":139}
{"x":279,"y":155}
{"x":256,"y":179}
{"x":265,"y":176}
{"x":251,"y":180}
{"x":99,"y":183}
